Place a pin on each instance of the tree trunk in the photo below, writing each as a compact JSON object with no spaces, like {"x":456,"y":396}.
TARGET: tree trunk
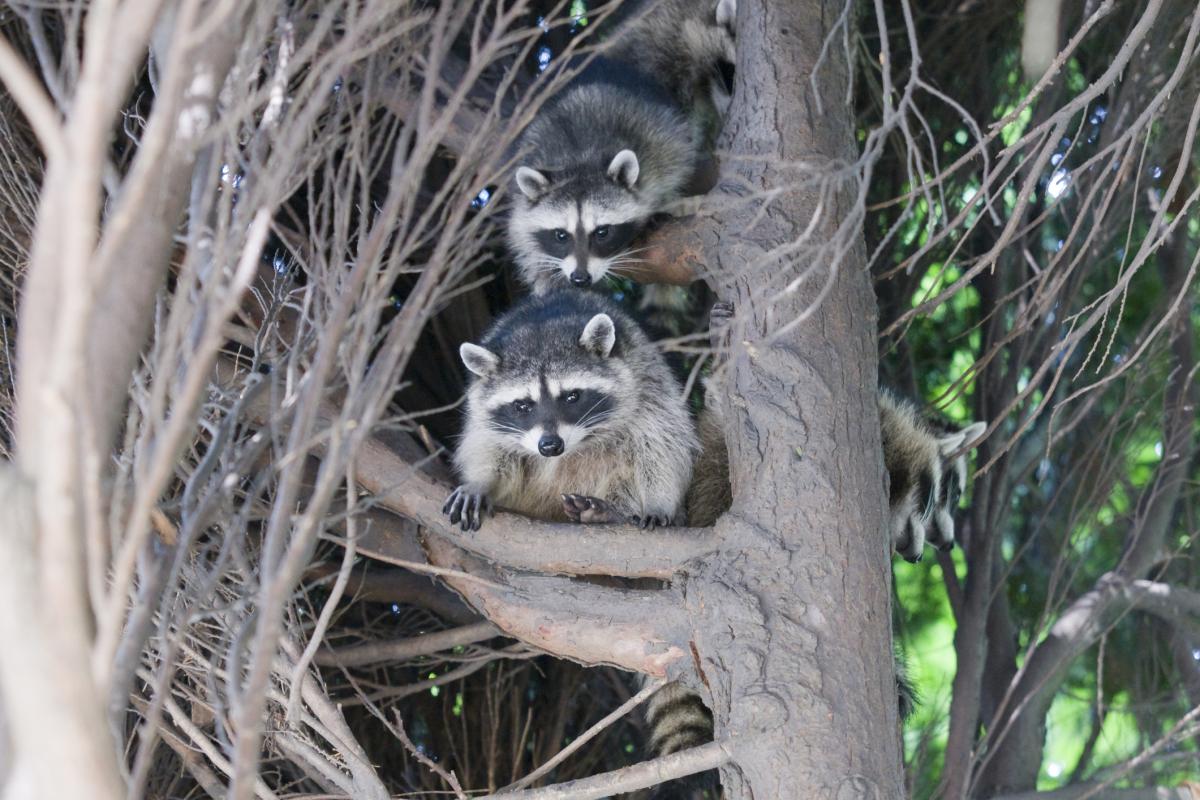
{"x":793,"y":620}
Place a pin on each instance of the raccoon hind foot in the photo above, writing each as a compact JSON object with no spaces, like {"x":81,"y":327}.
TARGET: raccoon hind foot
{"x":590,"y":510}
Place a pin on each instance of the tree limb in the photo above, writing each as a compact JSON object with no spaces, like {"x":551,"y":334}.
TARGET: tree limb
{"x":649,"y":689}
{"x":628,"y":779}
{"x":638,"y":630}
{"x":406,"y":649}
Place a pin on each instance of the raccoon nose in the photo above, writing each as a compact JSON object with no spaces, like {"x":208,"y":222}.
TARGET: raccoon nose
{"x":581,"y":279}
{"x":550,"y":446}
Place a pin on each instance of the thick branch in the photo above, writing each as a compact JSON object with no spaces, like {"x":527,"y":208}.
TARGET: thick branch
{"x":639,"y":631}
{"x":402,"y":586}
{"x":679,"y":252}
{"x":523,"y":543}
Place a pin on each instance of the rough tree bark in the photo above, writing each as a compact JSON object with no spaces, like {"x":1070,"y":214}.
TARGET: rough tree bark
{"x":792,"y":618}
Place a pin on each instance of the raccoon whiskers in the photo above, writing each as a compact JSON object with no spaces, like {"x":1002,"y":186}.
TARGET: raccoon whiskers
{"x":585,"y":416}
{"x":551,"y":268}
{"x":592,"y":421}
{"x":506,"y":429}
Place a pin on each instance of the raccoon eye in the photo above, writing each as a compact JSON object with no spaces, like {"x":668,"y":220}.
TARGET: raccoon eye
{"x":571,"y":397}
{"x":601,"y":232}
{"x":523,"y":406}
{"x":561,"y":235}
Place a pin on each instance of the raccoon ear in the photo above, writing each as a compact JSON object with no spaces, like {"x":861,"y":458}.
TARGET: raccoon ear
{"x":726,"y":13}
{"x":974,"y":431}
{"x":533,"y":184}
{"x":952,"y":441}
{"x":479,"y":360}
{"x":624,"y":168}
{"x":599,"y":335}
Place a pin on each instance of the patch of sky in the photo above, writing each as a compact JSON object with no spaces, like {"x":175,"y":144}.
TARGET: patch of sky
{"x":1059,"y":182}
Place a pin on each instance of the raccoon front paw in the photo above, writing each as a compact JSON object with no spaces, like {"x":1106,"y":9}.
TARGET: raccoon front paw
{"x":466,"y":507}
{"x":590,"y":510}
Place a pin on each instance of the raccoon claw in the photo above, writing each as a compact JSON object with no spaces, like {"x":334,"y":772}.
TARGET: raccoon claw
{"x":912,"y":559}
{"x":719,"y":315}
{"x":946,"y":547}
{"x":589,"y":510}
{"x":466,"y":508}
{"x":652,"y":521}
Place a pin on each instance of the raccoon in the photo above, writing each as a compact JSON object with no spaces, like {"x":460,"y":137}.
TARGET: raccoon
{"x":925,"y":478}
{"x":689,"y":47}
{"x":618,"y":146}
{"x":924,"y":482}
{"x":572,"y":415}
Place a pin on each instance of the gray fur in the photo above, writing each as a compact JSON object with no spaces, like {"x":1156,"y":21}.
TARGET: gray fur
{"x":926,"y":474}
{"x":620,"y":144}
{"x":682,"y":42}
{"x":633,"y":457}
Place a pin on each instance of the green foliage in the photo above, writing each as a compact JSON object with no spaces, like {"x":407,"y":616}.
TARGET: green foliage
{"x":1064,"y":518}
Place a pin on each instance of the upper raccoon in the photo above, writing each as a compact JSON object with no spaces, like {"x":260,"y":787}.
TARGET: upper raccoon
{"x":924,"y":483}
{"x":619,"y":145}
{"x":571,"y":397}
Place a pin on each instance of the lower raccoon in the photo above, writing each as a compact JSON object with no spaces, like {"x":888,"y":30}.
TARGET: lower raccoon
{"x":572,"y":414}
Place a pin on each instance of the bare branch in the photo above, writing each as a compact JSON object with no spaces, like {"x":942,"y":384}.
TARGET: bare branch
{"x":562,"y":755}
{"x":640,"y":631}
{"x":406,"y":649}
{"x":639,"y":776}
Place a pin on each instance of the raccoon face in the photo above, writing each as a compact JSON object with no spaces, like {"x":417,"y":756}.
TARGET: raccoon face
{"x":581,"y":227}
{"x":550,"y":412}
